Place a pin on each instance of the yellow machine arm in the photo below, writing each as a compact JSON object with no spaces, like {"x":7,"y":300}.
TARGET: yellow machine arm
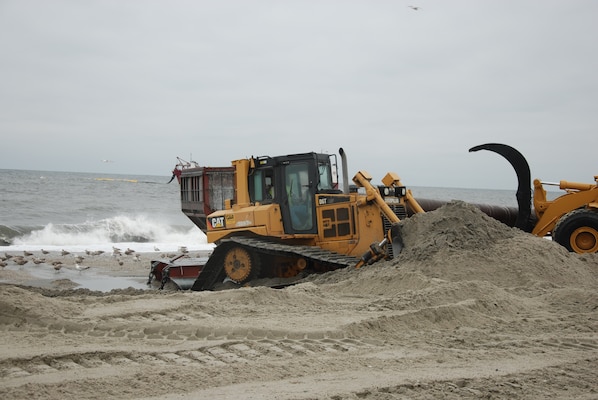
{"x":393,"y":236}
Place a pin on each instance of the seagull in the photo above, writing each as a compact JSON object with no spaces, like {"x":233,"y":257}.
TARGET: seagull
{"x":21,"y":261}
{"x":45,"y":251}
{"x":64,"y":252}
{"x":57,"y":266}
{"x":156,"y":248}
{"x":414,"y":7}
{"x":129,"y":251}
{"x":81,"y":267}
{"x":26,"y":253}
{"x":3,"y":264}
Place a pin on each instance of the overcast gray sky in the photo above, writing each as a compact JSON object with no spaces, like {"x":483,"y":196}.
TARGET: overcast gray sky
{"x":410,"y":91}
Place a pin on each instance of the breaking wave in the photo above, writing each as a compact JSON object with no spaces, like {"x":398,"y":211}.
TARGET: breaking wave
{"x":119,"y":229}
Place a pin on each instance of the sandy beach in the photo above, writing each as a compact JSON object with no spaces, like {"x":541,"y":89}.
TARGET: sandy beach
{"x":470,"y":309}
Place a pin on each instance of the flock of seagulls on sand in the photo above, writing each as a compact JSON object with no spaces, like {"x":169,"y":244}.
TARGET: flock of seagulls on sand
{"x":76,"y":261}
{"x":69,"y":260}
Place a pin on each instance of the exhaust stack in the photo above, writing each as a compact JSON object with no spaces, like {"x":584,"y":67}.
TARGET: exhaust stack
{"x":345,"y":170}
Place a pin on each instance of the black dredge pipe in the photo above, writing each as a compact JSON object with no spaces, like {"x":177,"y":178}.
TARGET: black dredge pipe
{"x":506,"y":215}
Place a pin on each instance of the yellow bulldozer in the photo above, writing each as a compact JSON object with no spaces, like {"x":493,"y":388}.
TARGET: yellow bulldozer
{"x":288,"y":214}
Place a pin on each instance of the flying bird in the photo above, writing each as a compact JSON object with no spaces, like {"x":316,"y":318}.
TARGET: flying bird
{"x":414,"y":7}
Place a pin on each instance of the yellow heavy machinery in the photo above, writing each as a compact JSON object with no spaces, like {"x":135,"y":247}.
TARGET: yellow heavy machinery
{"x":571,"y":219}
{"x":288,"y":214}
{"x":277,"y":217}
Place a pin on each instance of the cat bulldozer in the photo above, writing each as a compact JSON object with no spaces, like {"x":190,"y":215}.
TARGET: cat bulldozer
{"x":283,"y":217}
{"x":571,"y":219}
{"x":287,"y":215}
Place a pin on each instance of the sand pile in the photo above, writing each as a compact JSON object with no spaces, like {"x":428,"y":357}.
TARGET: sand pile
{"x":470,"y":309}
{"x":459,"y":242}
{"x":461,"y":268}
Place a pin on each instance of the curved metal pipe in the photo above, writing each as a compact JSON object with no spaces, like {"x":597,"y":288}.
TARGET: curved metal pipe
{"x":524,"y":191}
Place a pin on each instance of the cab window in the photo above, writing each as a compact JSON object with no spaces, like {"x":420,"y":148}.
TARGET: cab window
{"x":261,"y":186}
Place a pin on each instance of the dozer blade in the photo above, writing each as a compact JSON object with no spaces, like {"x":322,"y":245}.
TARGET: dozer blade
{"x":524,"y":191}
{"x":379,"y":251}
{"x":396,"y":239}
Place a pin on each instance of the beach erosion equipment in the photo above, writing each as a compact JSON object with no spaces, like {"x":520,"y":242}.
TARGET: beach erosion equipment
{"x":286,"y":216}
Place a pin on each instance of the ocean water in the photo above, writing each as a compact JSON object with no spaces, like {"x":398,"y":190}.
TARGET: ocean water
{"x":85,"y":211}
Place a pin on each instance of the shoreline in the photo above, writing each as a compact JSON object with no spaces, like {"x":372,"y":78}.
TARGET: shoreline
{"x":103,"y":272}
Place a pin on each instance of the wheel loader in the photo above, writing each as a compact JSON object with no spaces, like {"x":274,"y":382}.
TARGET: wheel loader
{"x":571,"y":219}
{"x":288,"y":214}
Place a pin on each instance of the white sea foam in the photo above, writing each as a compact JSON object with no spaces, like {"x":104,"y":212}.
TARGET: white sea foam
{"x":140,"y":232}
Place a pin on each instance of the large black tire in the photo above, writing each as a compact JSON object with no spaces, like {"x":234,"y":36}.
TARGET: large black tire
{"x":577,"y":231}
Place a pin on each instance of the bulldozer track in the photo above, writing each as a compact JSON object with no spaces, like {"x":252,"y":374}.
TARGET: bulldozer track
{"x":226,"y":353}
{"x":213,"y":269}
{"x":218,"y":355}
{"x":335,"y":260}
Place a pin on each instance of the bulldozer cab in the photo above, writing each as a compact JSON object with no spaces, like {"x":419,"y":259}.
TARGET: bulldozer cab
{"x":293,"y":181}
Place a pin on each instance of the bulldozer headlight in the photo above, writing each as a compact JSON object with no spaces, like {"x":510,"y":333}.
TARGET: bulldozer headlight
{"x":400,"y":191}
